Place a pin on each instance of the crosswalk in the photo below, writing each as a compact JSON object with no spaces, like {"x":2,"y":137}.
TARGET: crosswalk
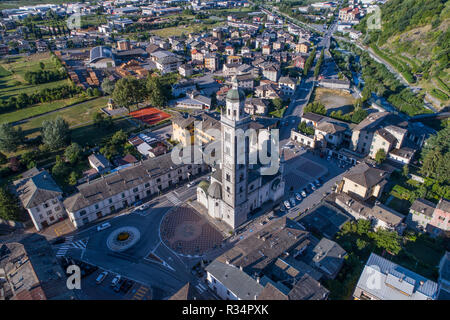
{"x":173,"y":198}
{"x":140,"y":293}
{"x":63,"y":248}
{"x":70,"y":244}
{"x":200,"y":287}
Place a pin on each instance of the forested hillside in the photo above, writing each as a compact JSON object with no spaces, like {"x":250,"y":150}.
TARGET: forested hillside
{"x":415,"y":39}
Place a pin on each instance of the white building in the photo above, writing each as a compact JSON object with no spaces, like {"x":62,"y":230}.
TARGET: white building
{"x":41,"y":197}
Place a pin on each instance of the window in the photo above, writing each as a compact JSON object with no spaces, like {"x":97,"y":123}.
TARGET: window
{"x":37,"y":209}
{"x":135,"y":190}
{"x":123,"y":195}
{"x":96,"y":206}
{"x":57,"y":208}
{"x":110,"y":200}
{"x":45,"y":205}
{"x":51,"y":218}
{"x":82,"y":212}
{"x":228,"y":189}
{"x":158,"y":180}
{"x":147,"y":185}
{"x":54,"y":201}
{"x":168,"y":175}
{"x":228,"y":177}
{"x":49,"y":212}
{"x":41,"y":217}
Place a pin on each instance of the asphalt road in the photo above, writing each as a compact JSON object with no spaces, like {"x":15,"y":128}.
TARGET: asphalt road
{"x":167,"y":277}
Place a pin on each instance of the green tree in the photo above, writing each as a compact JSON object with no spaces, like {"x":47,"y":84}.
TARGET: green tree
{"x":359,"y":115}
{"x":3,"y":158}
{"x":10,"y":138}
{"x":127,"y":91}
{"x":315,"y":107}
{"x":380,"y":156}
{"x":60,"y":170}
{"x":108,"y":86}
{"x":405,"y":171}
{"x":73,"y":152}
{"x":157,"y":93}
{"x":388,"y":240}
{"x":73,"y":178}
{"x":55,"y":133}
{"x":9,"y":205}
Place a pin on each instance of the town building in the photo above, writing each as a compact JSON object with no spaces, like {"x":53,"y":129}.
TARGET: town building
{"x":382,"y":279}
{"x":122,"y":188}
{"x":41,"y":197}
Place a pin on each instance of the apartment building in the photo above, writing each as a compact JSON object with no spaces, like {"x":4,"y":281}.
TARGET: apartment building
{"x":41,"y":197}
{"x":123,"y":188}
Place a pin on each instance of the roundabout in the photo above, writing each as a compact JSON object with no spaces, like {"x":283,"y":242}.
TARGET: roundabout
{"x":123,"y":238}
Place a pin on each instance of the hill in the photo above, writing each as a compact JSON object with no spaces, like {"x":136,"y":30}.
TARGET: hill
{"x":415,"y":40}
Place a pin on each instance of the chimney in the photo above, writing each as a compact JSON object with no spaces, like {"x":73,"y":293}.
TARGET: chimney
{"x":258,"y":279}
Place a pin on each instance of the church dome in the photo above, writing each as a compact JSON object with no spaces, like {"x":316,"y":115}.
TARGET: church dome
{"x":215,"y":190}
{"x":235,"y":93}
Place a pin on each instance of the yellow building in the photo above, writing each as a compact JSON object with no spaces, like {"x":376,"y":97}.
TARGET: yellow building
{"x":302,"y":47}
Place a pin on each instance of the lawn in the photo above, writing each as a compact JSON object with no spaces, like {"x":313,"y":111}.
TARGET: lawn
{"x":12,"y":73}
{"x":76,"y":115}
{"x":278,"y":113}
{"x":183,"y":29}
{"x":39,"y":109}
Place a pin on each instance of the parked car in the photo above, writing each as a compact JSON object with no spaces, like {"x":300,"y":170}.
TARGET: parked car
{"x":298,"y":196}
{"x":317,"y":183}
{"x":287,"y":204}
{"x":303,"y":193}
{"x":101,"y":277}
{"x":115,"y":280}
{"x":118,"y":285}
{"x":292,"y":200}
{"x":312,"y":186}
{"x":103,"y":226}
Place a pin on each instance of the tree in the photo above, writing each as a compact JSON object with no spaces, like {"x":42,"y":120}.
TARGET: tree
{"x":388,"y":240}
{"x":157,"y":93}
{"x":60,"y":169}
{"x":359,"y":115}
{"x":108,"y":86}
{"x":42,"y":65}
{"x":73,"y":178}
{"x":55,"y":133}
{"x":10,"y":138}
{"x":316,"y":107}
{"x":405,"y":171}
{"x":73,"y":153}
{"x":128,"y":91}
{"x":380,"y":156}
{"x":277,"y":103}
{"x":9,"y":205}
{"x":3,"y":158}
{"x":363,"y":226}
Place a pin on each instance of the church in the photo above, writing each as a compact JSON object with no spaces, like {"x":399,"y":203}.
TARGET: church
{"x":237,"y":187}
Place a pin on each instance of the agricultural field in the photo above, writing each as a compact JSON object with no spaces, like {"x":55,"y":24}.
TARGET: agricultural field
{"x":12,"y":74}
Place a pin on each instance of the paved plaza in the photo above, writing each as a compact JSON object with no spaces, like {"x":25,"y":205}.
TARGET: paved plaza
{"x":188,"y":233}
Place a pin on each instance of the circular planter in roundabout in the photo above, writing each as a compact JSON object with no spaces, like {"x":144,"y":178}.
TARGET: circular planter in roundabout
{"x":123,"y":238}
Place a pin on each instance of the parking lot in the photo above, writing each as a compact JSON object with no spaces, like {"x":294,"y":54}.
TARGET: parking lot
{"x":324,"y":219}
{"x":97,"y":284}
{"x":303,"y":167}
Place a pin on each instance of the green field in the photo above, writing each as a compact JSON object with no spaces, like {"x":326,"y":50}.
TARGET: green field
{"x":76,"y":115}
{"x":38,"y":109}
{"x":186,"y":29}
{"x":12,"y":73}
